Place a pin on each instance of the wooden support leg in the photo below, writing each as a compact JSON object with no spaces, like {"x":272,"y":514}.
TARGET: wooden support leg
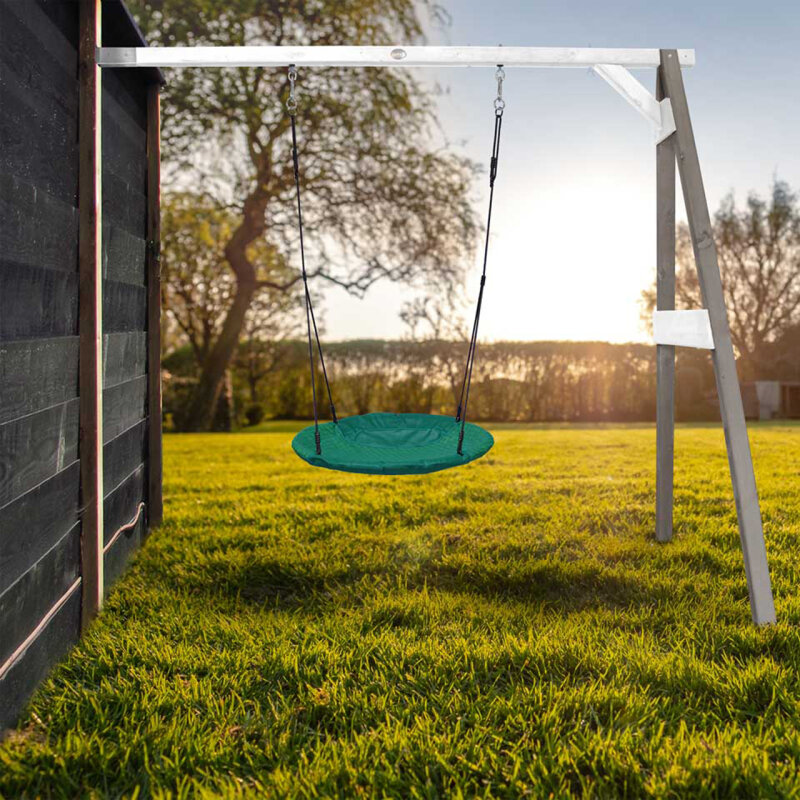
{"x":90,"y":273}
{"x":730,"y":398}
{"x":665,"y":354}
{"x":154,"y":450}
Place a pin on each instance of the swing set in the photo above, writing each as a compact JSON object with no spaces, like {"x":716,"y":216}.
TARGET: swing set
{"x":420,"y":443}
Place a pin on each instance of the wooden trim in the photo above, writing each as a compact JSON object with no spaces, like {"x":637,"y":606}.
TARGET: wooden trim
{"x":90,"y":270}
{"x":665,"y":354}
{"x":155,"y":455}
{"x":740,"y":459}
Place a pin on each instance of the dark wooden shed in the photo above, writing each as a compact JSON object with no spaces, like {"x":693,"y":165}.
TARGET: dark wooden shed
{"x":78,"y":493}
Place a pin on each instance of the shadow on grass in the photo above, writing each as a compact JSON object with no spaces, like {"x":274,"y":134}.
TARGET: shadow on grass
{"x":568,"y":586}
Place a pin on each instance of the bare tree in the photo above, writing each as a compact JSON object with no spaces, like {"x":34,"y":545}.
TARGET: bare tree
{"x":759,"y":256}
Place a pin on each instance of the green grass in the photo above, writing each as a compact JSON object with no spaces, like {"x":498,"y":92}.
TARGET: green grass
{"x":501,"y":630}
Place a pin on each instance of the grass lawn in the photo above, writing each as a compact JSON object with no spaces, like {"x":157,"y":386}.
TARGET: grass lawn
{"x":509,"y":628}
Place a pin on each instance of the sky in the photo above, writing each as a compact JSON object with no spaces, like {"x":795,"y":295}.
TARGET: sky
{"x":573,"y":231}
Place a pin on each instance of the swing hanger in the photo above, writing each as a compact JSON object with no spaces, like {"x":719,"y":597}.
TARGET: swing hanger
{"x":499,"y":103}
{"x":291,"y":103}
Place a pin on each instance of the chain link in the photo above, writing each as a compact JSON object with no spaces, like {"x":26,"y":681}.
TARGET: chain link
{"x":291,"y":103}
{"x":499,"y":103}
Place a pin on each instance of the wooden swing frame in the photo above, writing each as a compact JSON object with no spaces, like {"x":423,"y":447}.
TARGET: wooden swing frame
{"x":667,"y":111}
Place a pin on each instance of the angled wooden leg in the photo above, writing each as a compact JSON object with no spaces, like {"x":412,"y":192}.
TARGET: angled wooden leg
{"x":665,"y":354}
{"x":730,"y":398}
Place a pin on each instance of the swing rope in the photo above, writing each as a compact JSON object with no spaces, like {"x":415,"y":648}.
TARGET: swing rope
{"x":463,"y":400}
{"x":311,"y":321}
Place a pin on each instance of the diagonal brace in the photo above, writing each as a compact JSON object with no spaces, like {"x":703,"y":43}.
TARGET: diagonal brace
{"x":658,"y":112}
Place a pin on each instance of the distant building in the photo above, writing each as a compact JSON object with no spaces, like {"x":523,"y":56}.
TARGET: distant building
{"x":771,"y":399}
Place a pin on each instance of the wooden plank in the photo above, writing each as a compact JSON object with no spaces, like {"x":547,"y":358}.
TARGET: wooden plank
{"x":30,"y":62}
{"x":38,"y":229}
{"x":730,"y":398}
{"x":52,"y":29}
{"x":123,"y":205}
{"x":36,"y":303}
{"x":33,"y":594}
{"x":129,"y":92}
{"x":124,"y":454}
{"x":91,"y":311}
{"x":124,"y":405}
{"x":124,"y":357}
{"x":121,"y":156}
{"x":121,"y":503}
{"x":36,"y":447}
{"x":632,"y":90}
{"x":36,"y":374}
{"x":154,"y":439}
{"x":124,"y":256}
{"x":38,"y":143}
{"x":124,"y":307}
{"x":35,"y":521}
{"x":385,"y":56}
{"x":21,"y":677}
{"x":665,"y":354}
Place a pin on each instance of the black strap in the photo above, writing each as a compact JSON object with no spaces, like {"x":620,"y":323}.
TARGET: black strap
{"x":311,"y":321}
{"x":463,"y":400}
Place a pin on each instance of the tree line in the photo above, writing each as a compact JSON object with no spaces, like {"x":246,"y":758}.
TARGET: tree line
{"x":512,"y":382}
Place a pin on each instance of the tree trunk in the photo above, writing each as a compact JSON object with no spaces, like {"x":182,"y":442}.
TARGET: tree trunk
{"x":212,"y":373}
{"x":206,"y":395}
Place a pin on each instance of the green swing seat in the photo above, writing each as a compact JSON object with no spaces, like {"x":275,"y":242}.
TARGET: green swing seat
{"x":392,"y":444}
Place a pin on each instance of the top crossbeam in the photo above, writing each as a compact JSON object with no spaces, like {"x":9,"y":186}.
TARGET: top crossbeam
{"x":396,"y":56}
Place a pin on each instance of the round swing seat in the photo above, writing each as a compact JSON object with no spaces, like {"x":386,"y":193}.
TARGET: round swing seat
{"x":392,"y":444}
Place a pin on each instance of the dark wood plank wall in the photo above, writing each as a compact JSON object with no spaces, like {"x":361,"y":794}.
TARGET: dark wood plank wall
{"x":39,"y":475}
{"x":39,"y":469}
{"x":124,"y":133}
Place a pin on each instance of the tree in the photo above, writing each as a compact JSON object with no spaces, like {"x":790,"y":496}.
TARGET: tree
{"x":380,"y":201}
{"x":759,"y":258}
{"x":198,"y":288}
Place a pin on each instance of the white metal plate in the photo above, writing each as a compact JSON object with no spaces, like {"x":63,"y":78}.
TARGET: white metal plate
{"x":683,"y":328}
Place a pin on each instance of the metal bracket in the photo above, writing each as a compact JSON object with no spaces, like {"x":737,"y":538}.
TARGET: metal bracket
{"x":659,"y":113}
{"x":154,"y":248}
{"x":683,"y":328}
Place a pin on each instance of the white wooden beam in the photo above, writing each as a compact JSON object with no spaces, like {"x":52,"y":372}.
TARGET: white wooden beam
{"x":658,"y":112}
{"x":683,"y":328}
{"x":389,"y":56}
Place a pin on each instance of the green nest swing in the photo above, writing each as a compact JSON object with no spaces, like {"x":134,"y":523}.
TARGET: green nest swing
{"x":383,"y":443}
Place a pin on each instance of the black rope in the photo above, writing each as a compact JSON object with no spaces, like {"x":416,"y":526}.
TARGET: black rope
{"x":311,"y":321}
{"x":463,"y":400}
